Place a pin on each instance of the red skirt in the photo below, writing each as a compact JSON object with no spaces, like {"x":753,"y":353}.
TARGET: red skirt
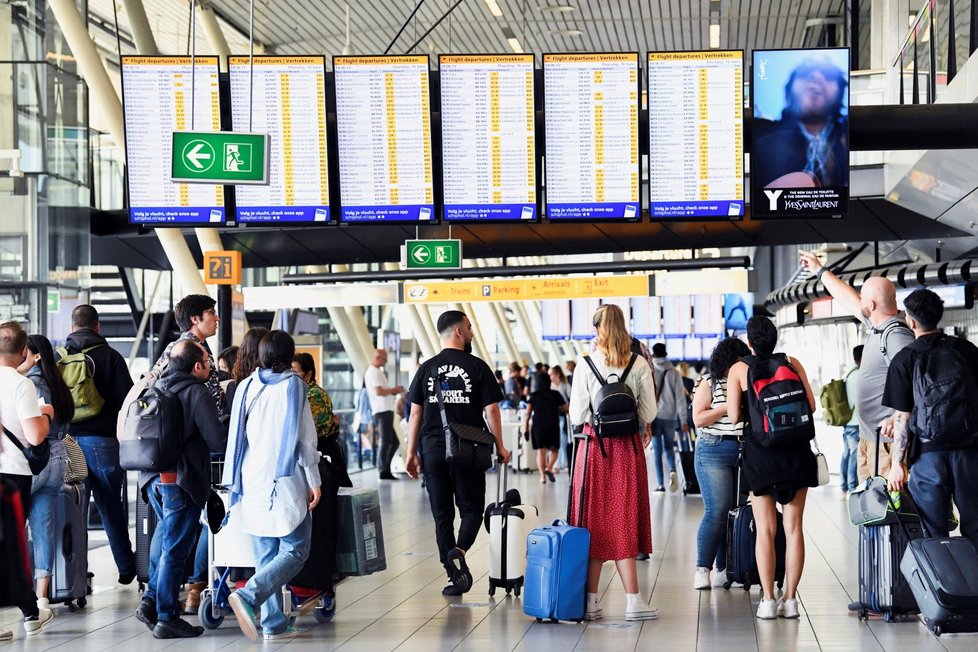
{"x":616,"y":497}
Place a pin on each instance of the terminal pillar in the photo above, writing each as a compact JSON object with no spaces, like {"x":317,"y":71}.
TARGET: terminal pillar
{"x":505,"y":332}
{"x":142,"y":34}
{"x":419,"y":331}
{"x":349,"y":340}
{"x":532,"y":335}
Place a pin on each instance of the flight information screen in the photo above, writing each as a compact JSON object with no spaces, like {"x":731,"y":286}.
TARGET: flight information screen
{"x":161,"y":95}
{"x":383,"y":123}
{"x":488,"y":138}
{"x":591,"y":124}
{"x":284,"y":97}
{"x":696,"y":134}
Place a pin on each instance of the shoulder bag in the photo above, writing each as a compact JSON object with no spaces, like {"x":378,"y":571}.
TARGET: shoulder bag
{"x":37,"y":456}
{"x":467,"y":446}
{"x":77,"y":468}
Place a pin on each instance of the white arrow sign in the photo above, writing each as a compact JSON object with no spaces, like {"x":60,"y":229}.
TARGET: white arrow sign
{"x":195,"y":156}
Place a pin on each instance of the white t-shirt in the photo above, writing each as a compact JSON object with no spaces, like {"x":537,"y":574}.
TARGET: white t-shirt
{"x":18,"y":403}
{"x":375,"y":377}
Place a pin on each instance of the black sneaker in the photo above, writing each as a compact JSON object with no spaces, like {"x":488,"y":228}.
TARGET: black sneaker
{"x":178,"y":628}
{"x":146,"y":613}
{"x":642,"y":556}
{"x":660,"y":489}
{"x":551,"y":476}
{"x":127,"y":578}
{"x":451,"y":591}
{"x":459,"y":570}
{"x":388,"y":476}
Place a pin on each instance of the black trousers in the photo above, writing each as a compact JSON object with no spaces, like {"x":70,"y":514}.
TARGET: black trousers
{"x":384,"y":425}
{"x":450,"y":486}
{"x":28,"y":601}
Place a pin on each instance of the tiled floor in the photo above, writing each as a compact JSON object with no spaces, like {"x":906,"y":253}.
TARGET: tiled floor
{"x":403,"y":609}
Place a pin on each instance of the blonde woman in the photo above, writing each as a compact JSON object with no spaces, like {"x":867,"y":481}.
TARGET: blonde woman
{"x":615,"y":487}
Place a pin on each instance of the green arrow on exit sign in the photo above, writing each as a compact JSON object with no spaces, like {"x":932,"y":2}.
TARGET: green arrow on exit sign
{"x":433,"y":254}
{"x":219,"y":157}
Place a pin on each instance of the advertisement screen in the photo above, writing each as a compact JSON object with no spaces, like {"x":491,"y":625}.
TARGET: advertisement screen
{"x":800,"y":133}
{"x":737,"y":309}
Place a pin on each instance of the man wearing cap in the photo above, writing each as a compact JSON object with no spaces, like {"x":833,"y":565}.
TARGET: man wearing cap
{"x":178,"y":496}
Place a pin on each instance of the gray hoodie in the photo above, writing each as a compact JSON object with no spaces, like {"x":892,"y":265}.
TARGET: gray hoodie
{"x":669,"y":387}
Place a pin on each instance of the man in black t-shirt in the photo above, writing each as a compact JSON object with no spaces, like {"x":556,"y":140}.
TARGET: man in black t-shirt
{"x":941,"y":470}
{"x":471,"y":397}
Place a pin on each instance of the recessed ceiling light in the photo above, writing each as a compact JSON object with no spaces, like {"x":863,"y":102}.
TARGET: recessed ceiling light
{"x":557,"y":9}
{"x":514,"y":43}
{"x":494,"y":8}
{"x":568,"y":32}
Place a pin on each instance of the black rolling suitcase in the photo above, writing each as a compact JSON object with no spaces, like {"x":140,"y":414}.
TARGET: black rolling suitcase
{"x":741,"y":542}
{"x":70,"y":580}
{"x":943,"y":574}
{"x":687,"y":467}
{"x":145,"y":527}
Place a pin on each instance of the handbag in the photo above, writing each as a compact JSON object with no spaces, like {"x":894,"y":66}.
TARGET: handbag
{"x":823,"y":465}
{"x":76,"y":470}
{"x":466,"y":445}
{"x":37,"y":456}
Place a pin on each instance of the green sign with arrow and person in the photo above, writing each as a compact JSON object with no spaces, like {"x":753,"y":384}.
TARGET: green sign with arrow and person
{"x":219,"y":157}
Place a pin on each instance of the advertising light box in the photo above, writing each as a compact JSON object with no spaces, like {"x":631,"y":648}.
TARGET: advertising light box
{"x":284,"y":97}
{"x":161,"y":95}
{"x":696,"y":134}
{"x":800,"y":133}
{"x":591,"y":130}
{"x":488,"y":138}
{"x":383,"y":123}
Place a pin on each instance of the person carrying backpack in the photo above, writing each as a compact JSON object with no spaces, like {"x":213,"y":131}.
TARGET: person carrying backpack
{"x":777,"y":460}
{"x":932,"y":387}
{"x":613,"y":398}
{"x":98,"y":377}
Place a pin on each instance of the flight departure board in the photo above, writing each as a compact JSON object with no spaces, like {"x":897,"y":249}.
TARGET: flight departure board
{"x":284,"y":97}
{"x":591,"y":126}
{"x":383,"y":123}
{"x":488,"y":137}
{"x":161,"y":95}
{"x":696,"y":134}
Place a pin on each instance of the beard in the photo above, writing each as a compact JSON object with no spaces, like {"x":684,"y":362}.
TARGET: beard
{"x":865,"y":312}
{"x":468,"y":347}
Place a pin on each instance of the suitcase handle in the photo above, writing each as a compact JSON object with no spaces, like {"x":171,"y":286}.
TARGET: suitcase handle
{"x":502,"y":479}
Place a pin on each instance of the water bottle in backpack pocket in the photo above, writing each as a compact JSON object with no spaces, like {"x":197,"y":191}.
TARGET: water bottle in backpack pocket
{"x":780,"y":414}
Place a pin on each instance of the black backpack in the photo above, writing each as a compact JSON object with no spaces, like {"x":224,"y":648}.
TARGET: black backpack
{"x":152,"y":437}
{"x":944,"y":393}
{"x":780,"y":415}
{"x":614,"y":410}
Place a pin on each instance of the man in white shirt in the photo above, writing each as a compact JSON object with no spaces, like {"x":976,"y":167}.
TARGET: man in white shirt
{"x":23,"y":419}
{"x":381,"y":397}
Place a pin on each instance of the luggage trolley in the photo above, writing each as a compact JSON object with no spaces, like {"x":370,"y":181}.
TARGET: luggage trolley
{"x":232,"y":548}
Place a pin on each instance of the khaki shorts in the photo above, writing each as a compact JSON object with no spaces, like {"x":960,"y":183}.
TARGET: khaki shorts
{"x":866,"y":459}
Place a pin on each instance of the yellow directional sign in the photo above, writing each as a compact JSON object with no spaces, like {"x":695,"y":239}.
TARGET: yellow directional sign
{"x":586,"y":287}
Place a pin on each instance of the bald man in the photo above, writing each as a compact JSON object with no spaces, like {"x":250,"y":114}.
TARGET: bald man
{"x":875,"y":305}
{"x":382,"y":396}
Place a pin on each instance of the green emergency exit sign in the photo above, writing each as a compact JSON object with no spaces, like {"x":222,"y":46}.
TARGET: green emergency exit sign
{"x":219,"y":157}
{"x":433,"y":254}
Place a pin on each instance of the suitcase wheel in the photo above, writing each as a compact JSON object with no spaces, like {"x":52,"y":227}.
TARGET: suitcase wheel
{"x":492,"y":590}
{"x":206,"y":613}
{"x":937,"y":630}
{"x":325,"y":613}
{"x":516,"y":592}
{"x":72,"y":608}
{"x":539,"y":620}
{"x":887,"y":616}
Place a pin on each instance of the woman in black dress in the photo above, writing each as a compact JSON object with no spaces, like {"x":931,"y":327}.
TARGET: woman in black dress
{"x":545,"y":407}
{"x":774,"y":475}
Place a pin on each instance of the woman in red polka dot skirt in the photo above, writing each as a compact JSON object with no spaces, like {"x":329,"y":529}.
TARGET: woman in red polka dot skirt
{"x":614,"y":484}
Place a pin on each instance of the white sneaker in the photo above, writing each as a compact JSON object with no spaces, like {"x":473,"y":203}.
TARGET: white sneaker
{"x":641,"y":612}
{"x":6,"y":634}
{"x":701,"y":580}
{"x":593,"y":612}
{"x":35,"y":625}
{"x":767,"y":609}
{"x":788,"y":608}
{"x":673,"y":482}
{"x":719,"y":578}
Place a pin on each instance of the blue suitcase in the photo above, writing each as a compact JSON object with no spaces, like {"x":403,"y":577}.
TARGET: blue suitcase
{"x":556,"y":572}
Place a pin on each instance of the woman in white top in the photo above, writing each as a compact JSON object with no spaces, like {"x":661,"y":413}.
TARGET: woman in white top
{"x":272,"y":470}
{"x":611,"y":489}
{"x":715,"y":459}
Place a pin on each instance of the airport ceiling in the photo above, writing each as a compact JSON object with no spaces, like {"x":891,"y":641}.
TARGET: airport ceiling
{"x":319,"y":26}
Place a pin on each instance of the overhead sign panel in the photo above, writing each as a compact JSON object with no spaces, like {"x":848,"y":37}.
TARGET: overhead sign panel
{"x":284,"y":97}
{"x":433,"y":254}
{"x":696,"y":134}
{"x":800,"y":133}
{"x":591,"y":123}
{"x":219,"y":157}
{"x":162,"y":95}
{"x":383,"y":125}
{"x":488,"y":137}
{"x":597,"y":287}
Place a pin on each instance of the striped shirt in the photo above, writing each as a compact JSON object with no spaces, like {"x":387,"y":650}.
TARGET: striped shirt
{"x":722,"y":427}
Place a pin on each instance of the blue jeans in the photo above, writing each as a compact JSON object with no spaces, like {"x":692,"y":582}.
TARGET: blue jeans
{"x":174,"y":536}
{"x":663,"y":437}
{"x":45,"y":492}
{"x":105,"y":480}
{"x":850,"y":454}
{"x":278,"y":561}
{"x":937,"y":478}
{"x":684,"y":437}
{"x":200,"y":560}
{"x":715,"y":460}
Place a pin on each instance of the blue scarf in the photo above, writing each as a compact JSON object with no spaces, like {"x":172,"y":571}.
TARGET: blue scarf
{"x":295,"y":399}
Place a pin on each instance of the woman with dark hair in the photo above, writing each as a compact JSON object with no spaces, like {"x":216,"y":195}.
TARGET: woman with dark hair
{"x":272,"y":471}
{"x":321,"y":405}
{"x":715,"y":458}
{"x":46,"y":486}
{"x":541,"y":422}
{"x":225,"y":362}
{"x":781,"y":475}
{"x":246,"y":360}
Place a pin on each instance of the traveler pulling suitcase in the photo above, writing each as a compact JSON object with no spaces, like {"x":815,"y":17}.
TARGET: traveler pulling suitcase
{"x":556,"y":570}
{"x":943,"y":575}
{"x":70,"y":580}
{"x":509,"y":523}
{"x":741,"y":542}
